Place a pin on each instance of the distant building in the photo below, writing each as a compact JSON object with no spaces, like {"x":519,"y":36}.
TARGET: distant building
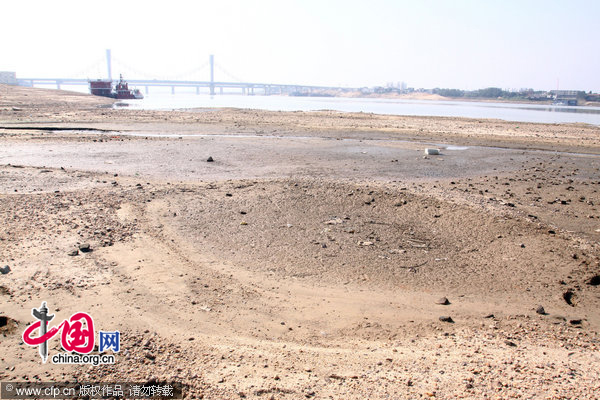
{"x":565,"y":97}
{"x":8,"y":78}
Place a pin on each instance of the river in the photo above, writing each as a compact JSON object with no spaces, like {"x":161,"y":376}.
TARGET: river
{"x":159,"y":99}
{"x":469,"y":109}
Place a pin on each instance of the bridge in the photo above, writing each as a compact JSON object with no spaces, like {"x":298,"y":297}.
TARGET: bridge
{"x":246,"y":88}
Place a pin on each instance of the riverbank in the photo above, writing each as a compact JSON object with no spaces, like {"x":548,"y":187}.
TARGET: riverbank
{"x":312,"y":258}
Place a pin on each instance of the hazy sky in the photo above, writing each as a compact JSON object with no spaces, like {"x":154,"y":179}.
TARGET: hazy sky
{"x":426,"y":43}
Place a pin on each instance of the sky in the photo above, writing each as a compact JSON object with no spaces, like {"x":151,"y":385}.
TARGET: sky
{"x":464,"y":44}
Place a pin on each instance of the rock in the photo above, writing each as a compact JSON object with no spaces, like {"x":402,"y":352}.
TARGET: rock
{"x":595,"y":280}
{"x":210,"y":159}
{"x":335,"y":221}
{"x":540,"y":310}
{"x":73,"y":252}
{"x":85,"y":247}
{"x":5,"y":270}
{"x":367,"y":243}
{"x":509,"y":343}
{"x":568,"y":296}
{"x":442,"y":301}
{"x":446,"y":319}
{"x":432,"y":152}
{"x":489,"y":316}
{"x":575,"y":321}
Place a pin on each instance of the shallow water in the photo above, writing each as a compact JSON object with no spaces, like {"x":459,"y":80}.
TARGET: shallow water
{"x":163,"y":99}
{"x":503,"y":111}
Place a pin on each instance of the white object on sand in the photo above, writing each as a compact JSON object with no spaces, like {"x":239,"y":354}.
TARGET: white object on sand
{"x":432,"y":152}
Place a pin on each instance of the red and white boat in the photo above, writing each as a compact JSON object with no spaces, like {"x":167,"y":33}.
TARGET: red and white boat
{"x":121,"y":91}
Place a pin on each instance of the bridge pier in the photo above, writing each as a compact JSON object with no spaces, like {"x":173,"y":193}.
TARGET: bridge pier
{"x":221,"y":90}
{"x":212,"y":74}
{"x":243,"y":91}
{"x":197,"y":89}
{"x":147,"y":90}
{"x":172,"y":89}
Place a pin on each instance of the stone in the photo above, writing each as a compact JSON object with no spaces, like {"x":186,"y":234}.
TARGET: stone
{"x":432,"y":152}
{"x":85,"y":247}
{"x":509,"y":343}
{"x":568,"y":297}
{"x":446,"y":319}
{"x":443,"y":301}
{"x":595,"y":280}
{"x":73,"y":253}
{"x":540,"y":310}
{"x":5,"y":270}
{"x":210,"y":159}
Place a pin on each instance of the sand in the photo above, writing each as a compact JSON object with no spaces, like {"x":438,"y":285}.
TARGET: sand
{"x":307,"y":260}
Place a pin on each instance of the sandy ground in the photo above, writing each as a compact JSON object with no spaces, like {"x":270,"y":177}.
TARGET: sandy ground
{"x":307,"y":260}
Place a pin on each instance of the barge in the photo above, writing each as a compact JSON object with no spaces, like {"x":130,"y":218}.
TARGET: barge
{"x":121,"y":91}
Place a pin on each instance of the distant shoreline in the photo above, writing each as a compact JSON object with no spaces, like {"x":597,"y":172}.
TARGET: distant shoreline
{"x":437,"y":97}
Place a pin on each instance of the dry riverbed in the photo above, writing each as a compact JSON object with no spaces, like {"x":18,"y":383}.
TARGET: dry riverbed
{"x":312,"y":258}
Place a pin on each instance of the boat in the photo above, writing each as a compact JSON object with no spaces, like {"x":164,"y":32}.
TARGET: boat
{"x":121,"y":91}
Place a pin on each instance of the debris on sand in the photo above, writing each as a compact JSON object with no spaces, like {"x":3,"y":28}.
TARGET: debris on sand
{"x":7,"y":325}
{"x":569,"y":296}
{"x":540,"y":310}
{"x":85,"y":247}
{"x":443,"y":301}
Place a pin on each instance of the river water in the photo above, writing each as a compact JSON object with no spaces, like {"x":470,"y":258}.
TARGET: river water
{"x":503,"y":111}
{"x":162,"y":99}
